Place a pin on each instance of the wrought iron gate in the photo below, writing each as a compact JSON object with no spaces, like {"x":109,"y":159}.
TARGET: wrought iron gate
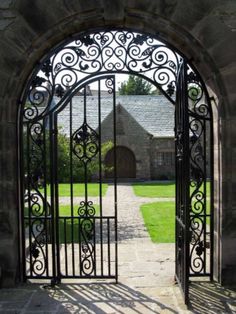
{"x":83,"y":242}
{"x":70,"y":236}
{"x":193,"y":133}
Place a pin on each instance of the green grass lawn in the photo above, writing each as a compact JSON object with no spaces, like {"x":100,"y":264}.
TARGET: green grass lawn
{"x":159,"y":219}
{"x":79,"y":189}
{"x":66,"y":226}
{"x":65,"y":210}
{"x":160,"y":189}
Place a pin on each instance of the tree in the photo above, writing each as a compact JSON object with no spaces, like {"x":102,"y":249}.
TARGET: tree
{"x":135,"y":86}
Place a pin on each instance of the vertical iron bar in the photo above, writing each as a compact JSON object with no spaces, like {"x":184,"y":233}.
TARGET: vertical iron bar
{"x":56,"y":196}
{"x":115,"y":179}
{"x":71,"y":188}
{"x":205,"y":193}
{"x":29,"y":201}
{"x":85,"y":182}
{"x":176,"y":193}
{"x":100,"y":173}
{"x":183,"y":182}
{"x":45,"y":193}
{"x":54,"y":270}
{"x":94,"y":243}
{"x":22,"y":189}
{"x":80,"y":253}
{"x":65,"y":233}
{"x":186,"y":182}
{"x":108,"y":247}
{"x":211,"y":158}
{"x":85,"y":164}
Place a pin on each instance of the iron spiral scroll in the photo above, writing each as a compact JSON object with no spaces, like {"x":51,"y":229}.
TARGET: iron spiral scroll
{"x":100,"y":52}
{"x":199,"y":141}
{"x":37,"y":208}
{"x":85,"y":148}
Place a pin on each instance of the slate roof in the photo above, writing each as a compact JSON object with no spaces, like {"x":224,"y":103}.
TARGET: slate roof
{"x":154,"y":113}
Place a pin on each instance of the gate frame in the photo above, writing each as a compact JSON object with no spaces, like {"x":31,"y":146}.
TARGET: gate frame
{"x":130,"y":72}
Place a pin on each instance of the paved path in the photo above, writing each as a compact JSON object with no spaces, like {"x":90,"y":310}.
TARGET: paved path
{"x":146,"y":272}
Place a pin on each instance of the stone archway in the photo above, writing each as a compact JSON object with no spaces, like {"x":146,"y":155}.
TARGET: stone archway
{"x":202,"y":34}
{"x":51,"y":89}
{"x":126,"y":163}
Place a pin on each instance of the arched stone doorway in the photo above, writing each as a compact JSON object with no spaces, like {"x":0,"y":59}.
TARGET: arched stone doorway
{"x":202,"y":35}
{"x":126,"y":163}
{"x":62,"y":75}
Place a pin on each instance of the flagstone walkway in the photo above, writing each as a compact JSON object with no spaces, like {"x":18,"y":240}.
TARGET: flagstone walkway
{"x":146,"y":278}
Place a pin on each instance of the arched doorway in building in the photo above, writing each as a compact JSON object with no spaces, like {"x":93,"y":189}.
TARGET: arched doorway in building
{"x":126,"y":163}
{"x":83,"y":242}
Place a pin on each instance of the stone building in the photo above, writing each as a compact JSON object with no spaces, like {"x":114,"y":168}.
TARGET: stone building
{"x":144,"y":133}
{"x":203,"y":31}
{"x":145,"y":129}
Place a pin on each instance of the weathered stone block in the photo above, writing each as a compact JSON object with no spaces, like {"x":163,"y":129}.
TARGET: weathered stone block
{"x":228,"y":275}
{"x":189,"y":14}
{"x":20,"y":35}
{"x":4,"y":23}
{"x":113,"y":10}
{"x":83,"y":6}
{"x":5,"y":4}
{"x":5,"y":226}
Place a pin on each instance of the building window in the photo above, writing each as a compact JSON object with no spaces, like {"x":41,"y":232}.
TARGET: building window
{"x":165,"y":158}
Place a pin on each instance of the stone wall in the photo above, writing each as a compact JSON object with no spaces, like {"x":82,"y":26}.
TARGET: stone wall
{"x":165,"y":170}
{"x":204,"y":31}
{"x":131,"y":135}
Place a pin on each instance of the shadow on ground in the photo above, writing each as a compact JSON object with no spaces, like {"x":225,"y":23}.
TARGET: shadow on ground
{"x":211,"y":298}
{"x":106,"y":298}
{"x":84,"y":298}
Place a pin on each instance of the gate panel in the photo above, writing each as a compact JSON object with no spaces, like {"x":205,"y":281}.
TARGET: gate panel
{"x":37,"y":209}
{"x":201,"y":182}
{"x":182,"y":183}
{"x":70,"y":234}
{"x":194,"y":170}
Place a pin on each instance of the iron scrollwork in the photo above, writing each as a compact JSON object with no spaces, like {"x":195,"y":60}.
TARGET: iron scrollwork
{"x":107,"y":51}
{"x":59,"y":75}
{"x":199,"y":115}
{"x":87,"y":231}
{"x":85,"y":147}
{"x":85,"y":143}
{"x":38,"y":208}
{"x":179,"y":145}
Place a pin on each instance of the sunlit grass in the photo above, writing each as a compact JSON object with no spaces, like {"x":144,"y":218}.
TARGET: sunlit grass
{"x":161,"y":189}
{"x":152,"y":189}
{"x":71,"y":230}
{"x":159,"y":219}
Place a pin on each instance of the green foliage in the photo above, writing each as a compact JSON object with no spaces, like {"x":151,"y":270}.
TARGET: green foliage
{"x":37,"y":150}
{"x":195,"y":92}
{"x":135,"y":86}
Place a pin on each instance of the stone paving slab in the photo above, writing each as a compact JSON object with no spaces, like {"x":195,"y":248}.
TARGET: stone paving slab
{"x":103,"y":298}
{"x":146,"y":279}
